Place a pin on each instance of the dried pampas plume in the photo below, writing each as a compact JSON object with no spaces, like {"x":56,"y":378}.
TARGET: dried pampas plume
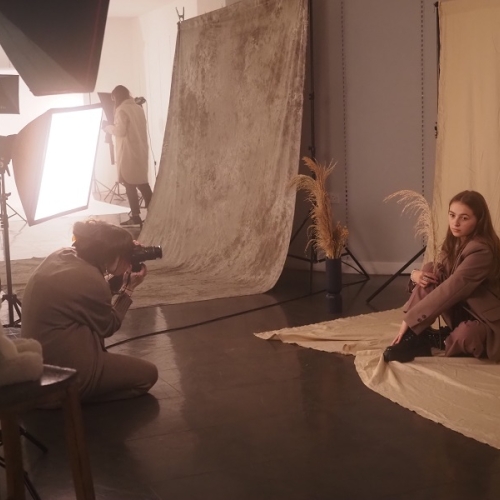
{"x":426,"y":227}
{"x":324,"y":235}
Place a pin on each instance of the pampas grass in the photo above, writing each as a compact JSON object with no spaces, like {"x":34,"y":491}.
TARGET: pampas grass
{"x":324,"y":234}
{"x":425,"y":226}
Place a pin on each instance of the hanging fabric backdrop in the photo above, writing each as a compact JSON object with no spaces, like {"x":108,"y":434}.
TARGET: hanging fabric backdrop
{"x":222,"y":210}
{"x":468,"y":145}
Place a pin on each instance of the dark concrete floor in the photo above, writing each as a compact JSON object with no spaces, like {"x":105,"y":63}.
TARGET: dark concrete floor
{"x":234,"y":417}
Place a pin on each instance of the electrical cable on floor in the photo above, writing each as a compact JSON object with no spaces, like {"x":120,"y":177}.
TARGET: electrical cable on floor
{"x":213,"y":320}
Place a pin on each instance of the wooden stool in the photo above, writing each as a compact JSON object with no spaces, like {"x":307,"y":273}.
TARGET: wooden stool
{"x":57,"y":385}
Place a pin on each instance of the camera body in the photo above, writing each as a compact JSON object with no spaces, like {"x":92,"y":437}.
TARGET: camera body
{"x":141,"y":254}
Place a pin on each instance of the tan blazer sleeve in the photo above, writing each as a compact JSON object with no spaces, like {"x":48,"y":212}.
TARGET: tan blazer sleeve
{"x":472,"y":270}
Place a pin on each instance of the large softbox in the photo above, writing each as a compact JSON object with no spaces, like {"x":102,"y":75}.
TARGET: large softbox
{"x":53,"y":160}
{"x":55,"y":45}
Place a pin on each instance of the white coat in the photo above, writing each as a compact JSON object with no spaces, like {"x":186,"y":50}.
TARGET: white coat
{"x":131,"y":146}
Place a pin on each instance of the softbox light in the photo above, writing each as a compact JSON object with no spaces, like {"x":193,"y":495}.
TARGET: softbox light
{"x":53,"y":161}
{"x":55,"y":45}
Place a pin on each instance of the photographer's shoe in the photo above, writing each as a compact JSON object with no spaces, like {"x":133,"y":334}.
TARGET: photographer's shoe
{"x":409,"y":347}
{"x":134,"y":221}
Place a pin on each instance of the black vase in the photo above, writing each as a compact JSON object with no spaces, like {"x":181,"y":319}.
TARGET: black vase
{"x":333,"y":276}
{"x":334,"y":285}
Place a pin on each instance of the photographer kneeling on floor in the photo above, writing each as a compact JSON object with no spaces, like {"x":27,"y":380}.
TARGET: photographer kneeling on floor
{"x":68,"y":306}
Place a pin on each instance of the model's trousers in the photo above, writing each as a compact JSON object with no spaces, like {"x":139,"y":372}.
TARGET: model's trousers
{"x":133,"y":198}
{"x":468,"y":336}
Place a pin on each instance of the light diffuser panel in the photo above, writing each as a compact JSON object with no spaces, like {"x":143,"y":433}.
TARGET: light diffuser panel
{"x":53,"y":161}
{"x":69,"y":162}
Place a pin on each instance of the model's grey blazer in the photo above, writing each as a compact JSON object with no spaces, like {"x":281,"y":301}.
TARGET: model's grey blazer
{"x":468,"y":284}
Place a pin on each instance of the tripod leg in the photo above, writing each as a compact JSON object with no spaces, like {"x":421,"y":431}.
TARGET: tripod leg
{"x":13,"y":304}
{"x":395,"y":275}
{"x":360,"y":267}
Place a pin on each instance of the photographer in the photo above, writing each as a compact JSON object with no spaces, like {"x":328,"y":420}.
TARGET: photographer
{"x":68,"y":306}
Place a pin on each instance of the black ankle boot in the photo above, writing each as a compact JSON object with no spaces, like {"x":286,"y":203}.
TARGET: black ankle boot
{"x":408,"y":348}
{"x":436,"y":338}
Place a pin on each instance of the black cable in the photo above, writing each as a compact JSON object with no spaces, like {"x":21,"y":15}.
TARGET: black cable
{"x":213,"y":320}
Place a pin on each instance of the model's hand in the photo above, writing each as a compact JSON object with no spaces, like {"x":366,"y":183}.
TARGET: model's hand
{"x":424,"y":278}
{"x":402,"y":330}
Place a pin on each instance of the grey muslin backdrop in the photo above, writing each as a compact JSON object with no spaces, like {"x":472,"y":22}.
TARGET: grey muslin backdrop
{"x":222,"y":209}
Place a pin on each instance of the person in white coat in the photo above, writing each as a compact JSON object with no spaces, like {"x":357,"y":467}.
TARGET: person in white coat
{"x":130,"y":130}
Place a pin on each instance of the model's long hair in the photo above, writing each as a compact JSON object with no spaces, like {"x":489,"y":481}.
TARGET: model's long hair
{"x":120,"y":94}
{"x":483,"y":231}
{"x":100,"y":243}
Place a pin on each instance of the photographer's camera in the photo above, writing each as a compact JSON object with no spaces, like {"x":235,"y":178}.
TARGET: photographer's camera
{"x":141,"y":254}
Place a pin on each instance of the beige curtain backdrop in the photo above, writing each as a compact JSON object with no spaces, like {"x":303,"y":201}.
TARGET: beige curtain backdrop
{"x":468,"y":143}
{"x":222,"y":209}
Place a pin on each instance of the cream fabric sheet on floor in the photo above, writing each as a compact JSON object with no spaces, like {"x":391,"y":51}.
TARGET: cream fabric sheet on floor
{"x":462,"y":394}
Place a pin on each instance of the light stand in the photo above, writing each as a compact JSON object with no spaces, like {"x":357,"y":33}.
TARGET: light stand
{"x":11,"y":298}
{"x":114,"y":192}
{"x":313,"y":256}
{"x":108,"y":140}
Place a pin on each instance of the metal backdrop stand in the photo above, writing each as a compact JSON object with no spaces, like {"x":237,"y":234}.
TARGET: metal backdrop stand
{"x":313,"y":256}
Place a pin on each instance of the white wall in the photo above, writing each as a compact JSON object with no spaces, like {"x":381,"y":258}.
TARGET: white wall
{"x":159,"y":31}
{"x":205,"y":6}
{"x":122,"y":59}
{"x":122,"y":63}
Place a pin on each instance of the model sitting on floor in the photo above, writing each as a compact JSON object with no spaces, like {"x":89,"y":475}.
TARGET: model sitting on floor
{"x":463,"y":289}
{"x":68,"y":307}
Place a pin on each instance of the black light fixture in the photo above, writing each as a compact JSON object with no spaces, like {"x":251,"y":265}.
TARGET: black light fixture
{"x":54,"y":45}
